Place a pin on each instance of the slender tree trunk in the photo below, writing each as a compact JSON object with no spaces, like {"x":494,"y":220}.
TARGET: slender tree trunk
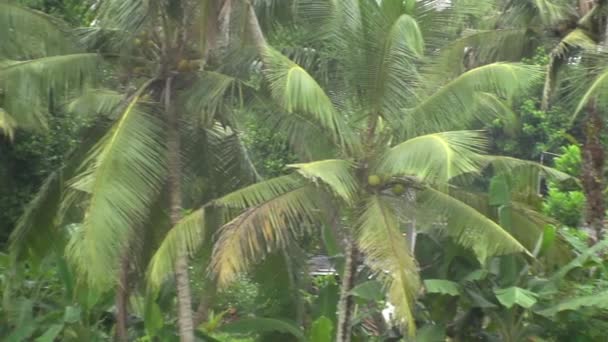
{"x":593,"y":174}
{"x":202,"y":311}
{"x":411,"y":236}
{"x":346,"y":303}
{"x":182,"y":281}
{"x":122,"y":296}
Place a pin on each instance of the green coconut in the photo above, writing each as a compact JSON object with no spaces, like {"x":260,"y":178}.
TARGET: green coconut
{"x":374,"y":180}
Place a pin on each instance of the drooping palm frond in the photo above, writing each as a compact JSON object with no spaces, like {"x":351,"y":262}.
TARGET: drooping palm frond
{"x":296,"y":91}
{"x":183,"y":238}
{"x":30,"y":85}
{"x":488,"y":46}
{"x":435,"y":157}
{"x":122,"y":174}
{"x":453,"y":104}
{"x":95,"y":102}
{"x":276,"y":210}
{"x":468,"y":227}
{"x":595,"y":92}
{"x":514,"y":166}
{"x":381,"y":241}
{"x":335,"y":173}
{"x":28,"y":34}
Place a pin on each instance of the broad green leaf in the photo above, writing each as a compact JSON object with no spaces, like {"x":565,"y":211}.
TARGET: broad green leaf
{"x":321,"y":330}
{"x":50,"y":334}
{"x":597,"y":301}
{"x":72,"y":314}
{"x":431,"y":333}
{"x":500,"y":193}
{"x":442,"y":286}
{"x":370,"y":290}
{"x":516,"y":296}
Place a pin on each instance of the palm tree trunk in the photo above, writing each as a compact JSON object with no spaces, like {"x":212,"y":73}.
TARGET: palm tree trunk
{"x":182,"y":281}
{"x":346,"y":303}
{"x":593,"y":174}
{"x":122,"y":296}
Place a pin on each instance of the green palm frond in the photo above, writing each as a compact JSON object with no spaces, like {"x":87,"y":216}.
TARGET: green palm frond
{"x":36,"y":230}
{"x":435,"y":157}
{"x":30,"y":34}
{"x":276,"y":210}
{"x":28,"y":85}
{"x":381,"y":241}
{"x":184,"y":238}
{"x":95,"y":102}
{"x":514,"y":166}
{"x":296,"y":91}
{"x":453,"y":105}
{"x":595,"y":91}
{"x":468,"y":227}
{"x":489,"y":46}
{"x":122,"y":174}
{"x":403,"y":44}
{"x":335,"y":173}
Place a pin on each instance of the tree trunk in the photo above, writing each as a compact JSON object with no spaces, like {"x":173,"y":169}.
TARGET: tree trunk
{"x":410,"y":235}
{"x":346,"y":303}
{"x":182,"y":281}
{"x":122,"y":296}
{"x":593,"y":174}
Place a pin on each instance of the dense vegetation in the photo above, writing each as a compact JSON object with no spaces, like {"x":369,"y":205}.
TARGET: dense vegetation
{"x":303,"y":170}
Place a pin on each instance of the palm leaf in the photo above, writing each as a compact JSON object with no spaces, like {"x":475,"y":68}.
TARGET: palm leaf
{"x":469,"y":227}
{"x":29,"y":85}
{"x":435,"y":157}
{"x":296,"y":91}
{"x":596,"y":89}
{"x":383,"y":244}
{"x":30,"y":34}
{"x":183,"y":239}
{"x":335,"y":173}
{"x":275,"y":210}
{"x":122,"y":175}
{"x":453,"y":104}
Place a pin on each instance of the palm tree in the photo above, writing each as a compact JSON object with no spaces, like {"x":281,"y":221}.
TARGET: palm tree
{"x":155,"y":57}
{"x":370,"y":115}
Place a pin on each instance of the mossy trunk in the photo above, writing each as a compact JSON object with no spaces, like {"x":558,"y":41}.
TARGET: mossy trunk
{"x":346,"y":303}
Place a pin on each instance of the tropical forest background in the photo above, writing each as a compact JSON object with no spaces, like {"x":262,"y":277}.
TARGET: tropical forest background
{"x":303,"y":170}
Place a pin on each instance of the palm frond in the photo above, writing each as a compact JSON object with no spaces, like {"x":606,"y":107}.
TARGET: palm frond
{"x":595,"y":91}
{"x":296,"y":91}
{"x":468,"y":227}
{"x":276,"y":210}
{"x":29,"y":34}
{"x":512,"y":166}
{"x":128,"y":15}
{"x":122,"y":174}
{"x":95,"y":102}
{"x":29,"y":85}
{"x":435,"y":157}
{"x":335,"y":173}
{"x":454,"y":104}
{"x":184,"y":238}
{"x":383,"y":244}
